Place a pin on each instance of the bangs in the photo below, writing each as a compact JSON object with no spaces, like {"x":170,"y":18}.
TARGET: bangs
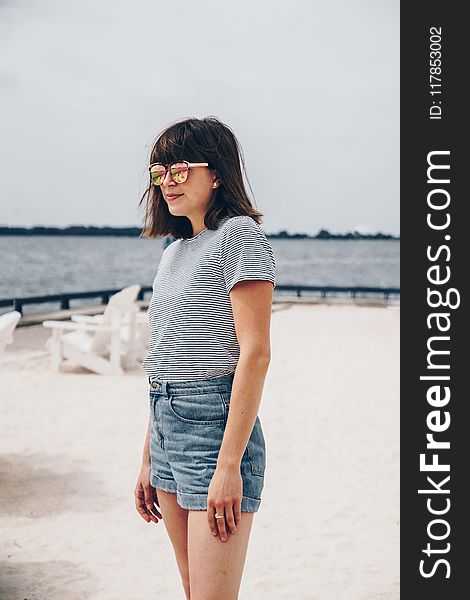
{"x":178,"y":142}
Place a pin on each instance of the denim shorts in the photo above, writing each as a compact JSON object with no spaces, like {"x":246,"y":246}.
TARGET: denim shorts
{"x":188,"y":421}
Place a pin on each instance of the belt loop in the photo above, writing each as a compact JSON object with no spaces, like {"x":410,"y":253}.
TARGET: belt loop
{"x":159,"y":386}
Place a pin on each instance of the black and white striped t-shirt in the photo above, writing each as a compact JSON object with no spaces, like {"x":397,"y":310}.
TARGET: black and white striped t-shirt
{"x":192,"y":331}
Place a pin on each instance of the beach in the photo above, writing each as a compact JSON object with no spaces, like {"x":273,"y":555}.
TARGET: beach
{"x":328,"y":525}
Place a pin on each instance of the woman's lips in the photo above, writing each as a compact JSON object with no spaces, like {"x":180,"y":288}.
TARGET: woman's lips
{"x":173,"y":196}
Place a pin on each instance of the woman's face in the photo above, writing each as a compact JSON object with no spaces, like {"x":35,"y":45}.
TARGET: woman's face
{"x":191,"y":198}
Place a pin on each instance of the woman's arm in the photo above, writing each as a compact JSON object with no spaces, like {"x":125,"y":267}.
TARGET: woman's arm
{"x":251,"y":306}
{"x":146,"y":452}
{"x":144,"y":494}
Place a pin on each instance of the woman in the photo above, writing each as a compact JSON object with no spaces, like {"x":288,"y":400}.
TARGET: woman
{"x":204,"y":454}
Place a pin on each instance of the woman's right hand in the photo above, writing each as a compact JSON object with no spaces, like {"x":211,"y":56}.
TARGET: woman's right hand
{"x":146,"y":497}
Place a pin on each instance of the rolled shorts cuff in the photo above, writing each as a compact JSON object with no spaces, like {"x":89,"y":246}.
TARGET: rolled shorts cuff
{"x":197,"y":501}
{"x":167,"y":485}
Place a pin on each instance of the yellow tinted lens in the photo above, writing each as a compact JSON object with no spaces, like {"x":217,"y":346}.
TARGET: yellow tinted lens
{"x":179,"y":172}
{"x":157,"y":174}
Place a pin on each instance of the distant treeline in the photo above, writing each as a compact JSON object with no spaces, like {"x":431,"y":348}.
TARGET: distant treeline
{"x":323,"y":234}
{"x":72,"y":230}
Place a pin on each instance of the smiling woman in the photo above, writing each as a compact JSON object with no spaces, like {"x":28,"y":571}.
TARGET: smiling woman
{"x":173,"y":171}
{"x":204,"y":455}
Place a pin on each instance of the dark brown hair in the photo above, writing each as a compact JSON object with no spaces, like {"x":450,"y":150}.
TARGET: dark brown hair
{"x":199,"y":140}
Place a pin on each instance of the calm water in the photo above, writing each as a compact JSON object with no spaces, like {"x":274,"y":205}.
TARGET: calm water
{"x":48,"y":264}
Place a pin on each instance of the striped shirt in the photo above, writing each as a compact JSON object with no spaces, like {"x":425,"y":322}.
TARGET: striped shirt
{"x":192,"y":330}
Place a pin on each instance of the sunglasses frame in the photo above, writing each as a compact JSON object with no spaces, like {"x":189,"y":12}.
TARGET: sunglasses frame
{"x":168,"y":166}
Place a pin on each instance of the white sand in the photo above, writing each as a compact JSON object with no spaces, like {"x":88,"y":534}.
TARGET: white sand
{"x":328,"y":526}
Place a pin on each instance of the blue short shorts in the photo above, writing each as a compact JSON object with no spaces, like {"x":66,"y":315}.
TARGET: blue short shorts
{"x":188,"y":421}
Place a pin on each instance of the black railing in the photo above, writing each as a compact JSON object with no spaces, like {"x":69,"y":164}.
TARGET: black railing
{"x":353,"y":291}
{"x":64,"y":299}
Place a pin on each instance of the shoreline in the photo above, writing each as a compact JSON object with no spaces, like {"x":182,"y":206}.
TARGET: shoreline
{"x":30,"y":337}
{"x":31,"y":319}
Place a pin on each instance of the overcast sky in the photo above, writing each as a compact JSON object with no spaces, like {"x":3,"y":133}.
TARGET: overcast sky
{"x":310,"y":88}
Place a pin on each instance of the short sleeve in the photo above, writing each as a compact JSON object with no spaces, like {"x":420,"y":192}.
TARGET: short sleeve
{"x":246,"y":253}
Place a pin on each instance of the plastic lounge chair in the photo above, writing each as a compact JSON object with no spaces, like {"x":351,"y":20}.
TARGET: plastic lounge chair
{"x":8,"y":322}
{"x":135,"y":333}
{"x":96,"y":346}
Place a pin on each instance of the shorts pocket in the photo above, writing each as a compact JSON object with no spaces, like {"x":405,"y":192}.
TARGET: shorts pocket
{"x":198,"y":409}
{"x":256,"y":450}
{"x":257,"y":466}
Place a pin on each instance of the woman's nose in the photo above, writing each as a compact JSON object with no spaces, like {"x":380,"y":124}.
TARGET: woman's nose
{"x":167,"y":179}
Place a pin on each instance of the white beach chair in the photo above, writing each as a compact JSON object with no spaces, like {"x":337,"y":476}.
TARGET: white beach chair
{"x":8,"y":323}
{"x":135,"y":333}
{"x":98,"y":346}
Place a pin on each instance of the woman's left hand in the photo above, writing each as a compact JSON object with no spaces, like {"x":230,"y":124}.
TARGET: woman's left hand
{"x":225,"y":497}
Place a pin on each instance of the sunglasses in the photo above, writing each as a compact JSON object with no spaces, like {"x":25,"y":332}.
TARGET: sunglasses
{"x":178,"y":171}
